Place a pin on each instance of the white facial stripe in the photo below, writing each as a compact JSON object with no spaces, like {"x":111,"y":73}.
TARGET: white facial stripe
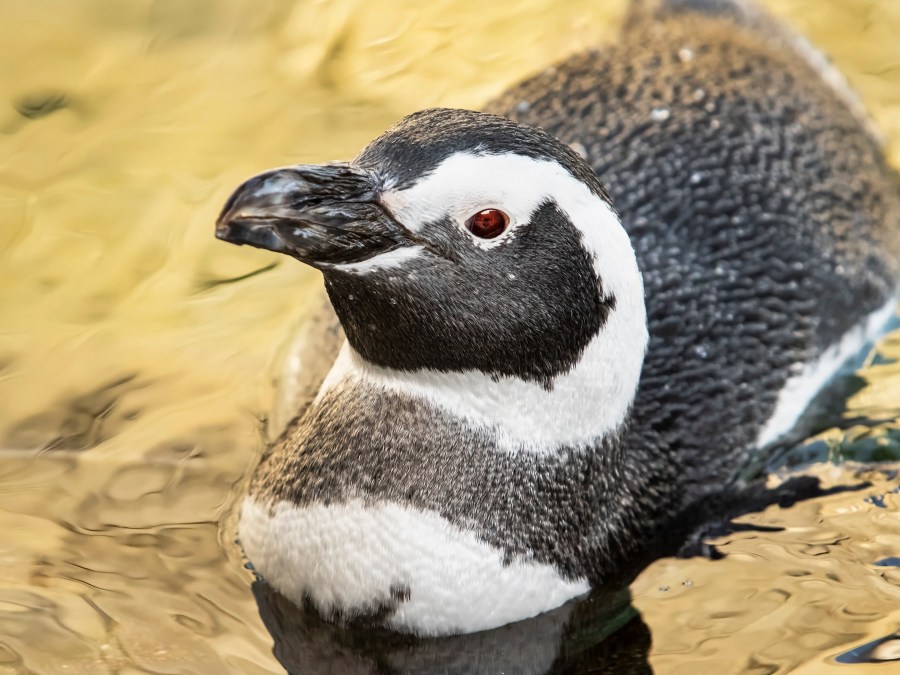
{"x":799,"y":391}
{"x":382,"y":261}
{"x":586,"y":403}
{"x":350,"y":556}
{"x":589,"y":402}
{"x":466,"y":183}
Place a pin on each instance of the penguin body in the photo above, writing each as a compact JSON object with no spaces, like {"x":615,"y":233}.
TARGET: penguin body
{"x":519,"y":413}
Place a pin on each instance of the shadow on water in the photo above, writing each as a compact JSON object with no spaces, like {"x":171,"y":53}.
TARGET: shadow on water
{"x":600,"y":634}
{"x":877,"y":651}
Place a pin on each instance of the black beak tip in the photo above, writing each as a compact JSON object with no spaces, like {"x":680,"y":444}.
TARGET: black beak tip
{"x":259,"y":234}
{"x":225,"y":231}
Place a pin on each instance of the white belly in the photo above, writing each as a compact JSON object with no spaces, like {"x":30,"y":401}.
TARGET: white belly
{"x":350,"y":557}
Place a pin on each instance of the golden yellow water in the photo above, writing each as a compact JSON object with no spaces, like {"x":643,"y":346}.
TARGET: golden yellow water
{"x":133,"y":374}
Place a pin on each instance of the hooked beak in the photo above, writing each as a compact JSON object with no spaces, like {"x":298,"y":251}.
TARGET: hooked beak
{"x":322,"y":215}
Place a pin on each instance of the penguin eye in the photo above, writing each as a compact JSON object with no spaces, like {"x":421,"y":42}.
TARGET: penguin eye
{"x":488,"y":224}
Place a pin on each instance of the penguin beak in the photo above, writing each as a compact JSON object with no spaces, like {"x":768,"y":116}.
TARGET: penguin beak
{"x":322,"y":215}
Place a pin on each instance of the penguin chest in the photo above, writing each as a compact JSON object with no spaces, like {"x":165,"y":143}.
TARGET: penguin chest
{"x":419,"y":571}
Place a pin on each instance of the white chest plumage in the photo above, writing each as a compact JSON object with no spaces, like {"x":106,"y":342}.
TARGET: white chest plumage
{"x":355,"y":559}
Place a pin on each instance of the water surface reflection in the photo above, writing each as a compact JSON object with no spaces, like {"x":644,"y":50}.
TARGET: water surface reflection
{"x":133,"y":344}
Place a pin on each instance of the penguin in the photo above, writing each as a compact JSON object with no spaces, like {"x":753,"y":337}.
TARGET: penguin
{"x":566,"y":320}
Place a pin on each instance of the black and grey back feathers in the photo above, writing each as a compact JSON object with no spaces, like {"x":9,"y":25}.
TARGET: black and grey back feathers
{"x":764,"y":216}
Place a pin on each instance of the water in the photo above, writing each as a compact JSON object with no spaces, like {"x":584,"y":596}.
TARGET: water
{"x":134,"y":347}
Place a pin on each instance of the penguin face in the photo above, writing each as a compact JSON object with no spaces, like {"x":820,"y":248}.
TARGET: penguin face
{"x":457,"y":241}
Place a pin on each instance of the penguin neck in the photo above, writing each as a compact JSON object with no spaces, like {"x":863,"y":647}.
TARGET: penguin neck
{"x":585,"y":406}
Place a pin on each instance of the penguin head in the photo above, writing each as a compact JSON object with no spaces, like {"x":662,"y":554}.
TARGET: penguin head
{"x":456,"y":241}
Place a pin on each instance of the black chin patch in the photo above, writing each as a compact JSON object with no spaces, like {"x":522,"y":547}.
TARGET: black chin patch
{"x":526,"y":308}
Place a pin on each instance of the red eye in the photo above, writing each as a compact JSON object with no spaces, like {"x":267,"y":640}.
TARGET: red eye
{"x":488,"y":224}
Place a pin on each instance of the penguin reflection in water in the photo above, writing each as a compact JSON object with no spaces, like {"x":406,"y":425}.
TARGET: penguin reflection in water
{"x":569,"y":324}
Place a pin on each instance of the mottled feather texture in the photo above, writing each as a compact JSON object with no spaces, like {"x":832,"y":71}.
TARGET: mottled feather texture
{"x":764,"y":217}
